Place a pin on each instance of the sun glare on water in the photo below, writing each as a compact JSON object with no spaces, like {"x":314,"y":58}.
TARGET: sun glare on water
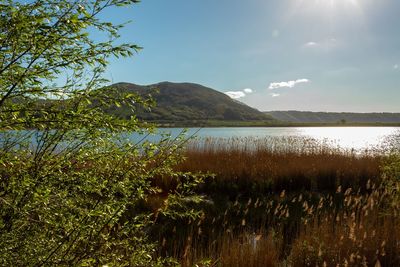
{"x":357,"y":138}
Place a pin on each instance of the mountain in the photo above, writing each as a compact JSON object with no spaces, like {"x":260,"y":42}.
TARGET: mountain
{"x":180,"y":102}
{"x":333,"y":117}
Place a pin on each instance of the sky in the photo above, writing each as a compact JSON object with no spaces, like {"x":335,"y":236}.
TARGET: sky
{"x":311,"y":55}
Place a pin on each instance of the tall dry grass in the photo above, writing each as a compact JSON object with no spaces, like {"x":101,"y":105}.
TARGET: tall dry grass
{"x":365,"y":232}
{"x":244,"y":249}
{"x":287,"y":202}
{"x":276,"y":164}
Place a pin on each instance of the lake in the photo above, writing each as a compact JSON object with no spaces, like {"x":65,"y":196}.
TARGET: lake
{"x":358,"y":138}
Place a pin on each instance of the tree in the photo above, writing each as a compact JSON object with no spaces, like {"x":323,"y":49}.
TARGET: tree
{"x":43,"y":42}
{"x":71,"y":187}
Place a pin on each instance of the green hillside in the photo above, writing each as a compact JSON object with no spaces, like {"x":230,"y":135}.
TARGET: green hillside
{"x":188,"y":102}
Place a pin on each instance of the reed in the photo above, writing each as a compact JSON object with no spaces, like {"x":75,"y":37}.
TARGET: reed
{"x":276,"y":164}
{"x":286,"y":202}
{"x":244,"y":249}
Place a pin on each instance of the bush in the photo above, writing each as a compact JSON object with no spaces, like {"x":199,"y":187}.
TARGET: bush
{"x":70,"y":185}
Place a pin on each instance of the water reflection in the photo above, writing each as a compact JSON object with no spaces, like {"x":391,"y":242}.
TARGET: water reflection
{"x":356,"y":138}
{"x":352,"y":137}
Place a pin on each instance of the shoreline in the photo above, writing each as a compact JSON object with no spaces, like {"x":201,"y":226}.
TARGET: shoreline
{"x":225,"y":124}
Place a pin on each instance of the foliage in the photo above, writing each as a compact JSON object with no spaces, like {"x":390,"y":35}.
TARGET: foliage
{"x":71,"y":186}
{"x":391,"y":172}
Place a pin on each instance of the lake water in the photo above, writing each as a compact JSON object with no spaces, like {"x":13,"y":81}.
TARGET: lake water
{"x":358,"y":138}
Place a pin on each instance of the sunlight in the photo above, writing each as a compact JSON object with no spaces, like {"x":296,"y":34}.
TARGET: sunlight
{"x":332,"y":3}
{"x":329,"y":5}
{"x":328,"y":12}
{"x":335,"y":2}
{"x":358,"y":138}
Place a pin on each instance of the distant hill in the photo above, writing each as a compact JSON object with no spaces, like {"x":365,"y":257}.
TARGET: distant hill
{"x":180,"y":102}
{"x":333,"y":117}
{"x":189,"y":104}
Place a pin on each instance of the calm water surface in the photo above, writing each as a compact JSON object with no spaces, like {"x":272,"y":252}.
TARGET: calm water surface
{"x":358,"y":138}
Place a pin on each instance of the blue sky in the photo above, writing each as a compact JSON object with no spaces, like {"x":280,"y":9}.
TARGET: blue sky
{"x":318,"y":55}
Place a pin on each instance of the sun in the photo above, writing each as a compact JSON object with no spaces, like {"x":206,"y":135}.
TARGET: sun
{"x":329,"y":7}
{"x":331,"y":3}
{"x":331,"y":15}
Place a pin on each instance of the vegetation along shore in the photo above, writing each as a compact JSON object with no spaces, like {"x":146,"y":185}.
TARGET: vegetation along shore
{"x":284,"y":202}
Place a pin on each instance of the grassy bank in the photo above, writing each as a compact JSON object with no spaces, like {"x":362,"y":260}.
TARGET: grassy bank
{"x":284,"y":202}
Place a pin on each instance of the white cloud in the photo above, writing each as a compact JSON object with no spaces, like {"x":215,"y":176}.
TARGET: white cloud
{"x":396,"y":66}
{"x":323,"y":45}
{"x":235,"y":94}
{"x":275,"y":33}
{"x":275,"y":95}
{"x":239,"y":94}
{"x":310,"y":44}
{"x":290,"y":84}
